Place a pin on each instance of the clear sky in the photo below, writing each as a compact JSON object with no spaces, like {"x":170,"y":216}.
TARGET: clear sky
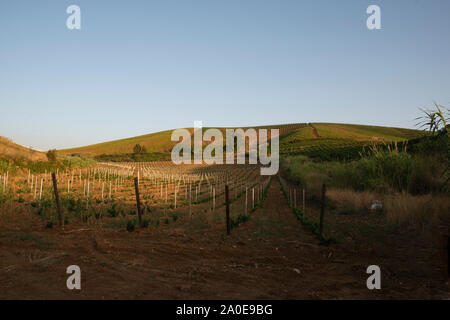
{"x":137,"y":67}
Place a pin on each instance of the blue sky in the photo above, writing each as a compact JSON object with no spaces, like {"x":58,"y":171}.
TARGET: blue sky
{"x":137,"y":67}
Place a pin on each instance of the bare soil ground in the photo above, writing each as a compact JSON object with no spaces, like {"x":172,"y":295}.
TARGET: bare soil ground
{"x":314,"y":131}
{"x":269,"y":257}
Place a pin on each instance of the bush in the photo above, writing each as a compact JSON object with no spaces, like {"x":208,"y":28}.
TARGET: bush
{"x":77,"y":161}
{"x":113,"y":212}
{"x":145,"y":223}
{"x":131,"y":224}
{"x":241,"y":218}
{"x":51,"y":155}
{"x":137,"y":149}
{"x":384,"y":170}
{"x":71,"y":204}
{"x":426,"y":176}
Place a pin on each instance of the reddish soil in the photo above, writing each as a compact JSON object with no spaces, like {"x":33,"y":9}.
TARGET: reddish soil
{"x":314,"y":131}
{"x":269,"y":257}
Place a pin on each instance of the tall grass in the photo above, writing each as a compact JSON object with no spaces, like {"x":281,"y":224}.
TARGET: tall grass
{"x":383,"y":170}
{"x":416,"y":210}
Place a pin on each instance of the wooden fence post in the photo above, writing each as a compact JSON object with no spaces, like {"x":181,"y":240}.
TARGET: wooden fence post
{"x":40,"y":192}
{"x":295,"y":198}
{"x":246,"y":200}
{"x":175,"y":197}
{"x":322,"y":209}
{"x":253,"y":198}
{"x":190,"y":201}
{"x":227,"y":202}
{"x":138,"y":200}
{"x":58,"y":204}
{"x":214,"y":199}
{"x":303,"y":208}
{"x":87,"y":194}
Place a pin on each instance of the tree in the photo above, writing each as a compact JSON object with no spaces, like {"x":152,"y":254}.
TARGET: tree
{"x":137,"y":148}
{"x":51,"y":155}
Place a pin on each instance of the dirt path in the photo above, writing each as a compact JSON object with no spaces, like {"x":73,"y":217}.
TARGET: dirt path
{"x":314,"y":131}
{"x":269,"y":257}
{"x":300,"y":267}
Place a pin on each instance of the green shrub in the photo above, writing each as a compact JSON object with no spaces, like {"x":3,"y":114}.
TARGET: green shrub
{"x":131,"y":224}
{"x":426,"y":176}
{"x":382,"y":170}
{"x":241,"y":218}
{"x":98,"y":214}
{"x":386,"y":169}
{"x":51,"y":155}
{"x":71,"y":204}
{"x":145,"y":223}
{"x":113,"y":212}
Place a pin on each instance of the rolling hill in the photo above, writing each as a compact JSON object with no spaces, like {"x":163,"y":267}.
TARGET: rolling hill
{"x":158,"y":142}
{"x":341,"y":141}
{"x":11,"y":150}
{"x":312,"y":139}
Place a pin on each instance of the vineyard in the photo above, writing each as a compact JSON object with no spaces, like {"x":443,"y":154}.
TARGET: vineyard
{"x":182,"y":247}
{"x":325,"y":141}
{"x":168,"y":193}
{"x":326,"y":149}
{"x":152,"y":230}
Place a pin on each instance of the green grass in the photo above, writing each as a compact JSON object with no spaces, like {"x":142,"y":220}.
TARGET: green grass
{"x":341,"y":141}
{"x":335,"y":141}
{"x":154,"y":143}
{"x":364,"y":132}
{"x":300,"y":132}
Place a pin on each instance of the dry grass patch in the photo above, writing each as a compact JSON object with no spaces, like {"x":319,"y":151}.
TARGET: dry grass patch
{"x":403,"y":208}
{"x":354,"y":200}
{"x":399,"y":208}
{"x":13,"y":150}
